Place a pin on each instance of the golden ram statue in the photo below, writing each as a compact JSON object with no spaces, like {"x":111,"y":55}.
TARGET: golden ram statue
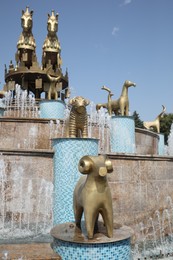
{"x":78,"y":119}
{"x":92,"y":194}
{"x":156,"y":122}
{"x":121,"y":105}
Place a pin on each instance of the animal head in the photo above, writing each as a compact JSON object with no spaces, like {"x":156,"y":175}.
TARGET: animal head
{"x":26,"y":20}
{"x":52,"y":23}
{"x":129,"y":83}
{"x":79,"y":103}
{"x":97,"y":165}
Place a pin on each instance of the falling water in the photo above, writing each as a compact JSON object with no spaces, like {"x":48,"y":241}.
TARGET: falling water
{"x":170,"y":142}
{"x":22,"y":105}
{"x":23,"y":214}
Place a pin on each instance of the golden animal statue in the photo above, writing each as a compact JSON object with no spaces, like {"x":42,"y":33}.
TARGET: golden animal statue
{"x":121,"y":105}
{"x":92,"y":194}
{"x":26,"y":44}
{"x":77,"y":125}
{"x":109,"y":104}
{"x":156,"y":122}
{"x":51,"y":46}
{"x":53,"y":88}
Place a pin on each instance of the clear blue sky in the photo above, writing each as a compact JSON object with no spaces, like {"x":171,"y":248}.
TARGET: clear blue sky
{"x":104,"y":42}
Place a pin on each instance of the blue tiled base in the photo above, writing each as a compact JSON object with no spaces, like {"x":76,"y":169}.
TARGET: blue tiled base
{"x":1,"y":112}
{"x":52,"y":109}
{"x":68,"y":152}
{"x":122,"y":134}
{"x":161,"y":145}
{"x":119,"y":250}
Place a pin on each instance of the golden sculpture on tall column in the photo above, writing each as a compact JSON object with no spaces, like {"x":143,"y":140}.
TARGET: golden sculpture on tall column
{"x":156,"y":122}
{"x":92,"y":195}
{"x":77,"y":125}
{"x":121,"y":105}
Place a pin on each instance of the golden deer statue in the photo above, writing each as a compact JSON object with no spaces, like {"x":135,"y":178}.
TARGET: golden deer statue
{"x":156,"y":122}
{"x":121,"y":105}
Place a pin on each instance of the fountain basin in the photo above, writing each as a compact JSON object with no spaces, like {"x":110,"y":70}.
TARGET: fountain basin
{"x":70,"y":243}
{"x":52,"y":109}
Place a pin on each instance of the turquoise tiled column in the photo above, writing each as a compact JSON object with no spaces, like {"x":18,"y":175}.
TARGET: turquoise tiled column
{"x":122,"y":134}
{"x":1,"y":111}
{"x":119,"y":250}
{"x":67,"y":153}
{"x":52,"y":109}
{"x":161,"y":145}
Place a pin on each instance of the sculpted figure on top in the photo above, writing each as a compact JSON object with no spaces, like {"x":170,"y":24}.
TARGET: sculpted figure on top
{"x":156,"y":122}
{"x":51,"y":46}
{"x":77,"y":125}
{"x":92,"y":194}
{"x":121,"y":105}
{"x":26,"y":44}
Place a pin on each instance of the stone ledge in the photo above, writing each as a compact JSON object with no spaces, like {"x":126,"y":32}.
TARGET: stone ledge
{"x":38,"y":251}
{"x":31,"y":152}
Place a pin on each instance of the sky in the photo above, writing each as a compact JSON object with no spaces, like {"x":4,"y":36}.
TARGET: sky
{"x":103,"y":42}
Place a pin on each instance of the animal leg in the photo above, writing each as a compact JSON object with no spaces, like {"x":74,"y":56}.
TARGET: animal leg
{"x":55,"y":95}
{"x":90,"y":220}
{"x":78,"y":215}
{"x":107,"y":215}
{"x":127,"y":110}
{"x":49,"y":94}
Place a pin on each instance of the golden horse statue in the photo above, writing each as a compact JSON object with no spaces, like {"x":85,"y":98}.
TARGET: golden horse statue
{"x":26,"y":44}
{"x":156,"y":122}
{"x":121,"y":105}
{"x":51,"y":46}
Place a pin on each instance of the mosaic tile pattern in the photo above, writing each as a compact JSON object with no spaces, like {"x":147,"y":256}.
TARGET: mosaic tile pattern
{"x":161,"y":146}
{"x":1,"y":111}
{"x":68,"y":152}
{"x":52,"y":109}
{"x":109,"y":251}
{"x":122,"y":134}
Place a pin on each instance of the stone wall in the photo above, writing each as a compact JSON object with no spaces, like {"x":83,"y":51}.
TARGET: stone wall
{"x":141,"y":188}
{"x":26,"y":191}
{"x":22,"y":133}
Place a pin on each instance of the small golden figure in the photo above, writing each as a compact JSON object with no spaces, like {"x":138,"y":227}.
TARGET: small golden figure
{"x":52,"y":92}
{"x":156,"y":122}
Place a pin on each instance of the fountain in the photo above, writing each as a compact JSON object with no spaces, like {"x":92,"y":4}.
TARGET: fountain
{"x":141,"y":181}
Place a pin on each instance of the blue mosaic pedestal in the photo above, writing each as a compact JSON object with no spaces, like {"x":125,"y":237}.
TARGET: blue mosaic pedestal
{"x":70,"y":243}
{"x":122,"y":134}
{"x":1,"y":111}
{"x":52,"y":109}
{"x":68,"y":152}
{"x":161,"y":145}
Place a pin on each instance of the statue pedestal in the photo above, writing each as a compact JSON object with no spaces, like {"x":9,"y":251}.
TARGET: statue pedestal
{"x":161,"y":144}
{"x":122,"y":134}
{"x":53,"y":109}
{"x":68,"y":152}
{"x":70,"y":243}
{"x":2,"y":111}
